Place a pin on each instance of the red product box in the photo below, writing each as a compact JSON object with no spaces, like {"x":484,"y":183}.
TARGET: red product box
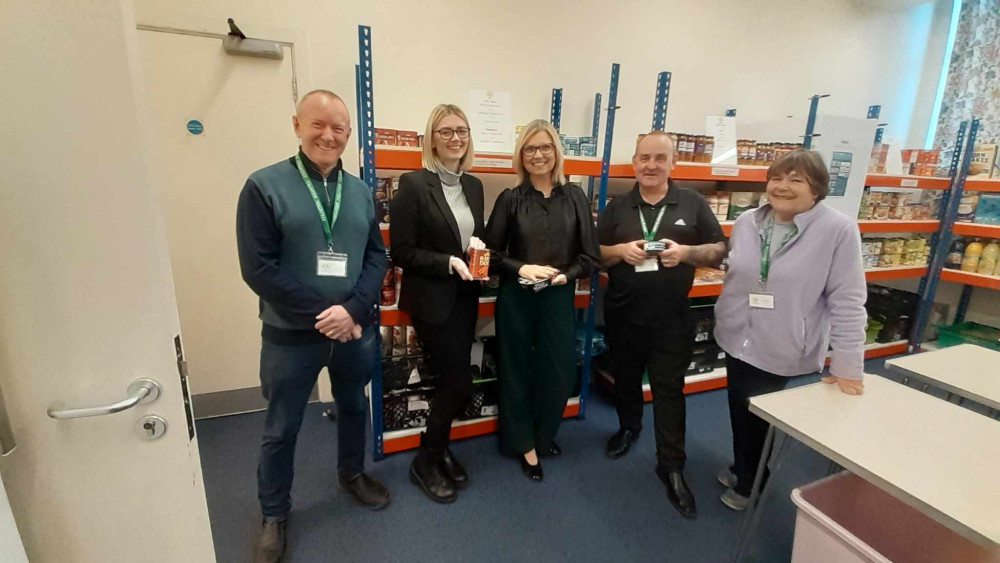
{"x":407,"y":139}
{"x":385,"y":137}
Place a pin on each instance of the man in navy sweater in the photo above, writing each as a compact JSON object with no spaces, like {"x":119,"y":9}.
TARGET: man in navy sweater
{"x":310,"y":248}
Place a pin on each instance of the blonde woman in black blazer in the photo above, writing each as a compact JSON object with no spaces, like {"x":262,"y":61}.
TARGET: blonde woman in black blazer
{"x":436,"y":214}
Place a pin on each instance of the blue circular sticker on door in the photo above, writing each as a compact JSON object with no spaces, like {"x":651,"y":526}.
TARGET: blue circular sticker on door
{"x":195,"y":127}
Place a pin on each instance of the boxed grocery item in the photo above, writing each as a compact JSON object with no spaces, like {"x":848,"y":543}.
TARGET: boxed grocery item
{"x":413,"y":347}
{"x":984,"y":162}
{"x":385,"y":137}
{"x":723,"y":207}
{"x":382,"y":211}
{"x":890,"y":260}
{"x":871,"y":246}
{"x":870,"y":261}
{"x":407,"y":139}
{"x":967,"y":207}
{"x":927,"y":161}
{"x":909,"y":160}
{"x":988,"y":209}
{"x":880,"y":153}
{"x":588,"y":149}
{"x":893,"y":246}
{"x":383,"y":189}
{"x":399,"y":341}
{"x":740,"y":203}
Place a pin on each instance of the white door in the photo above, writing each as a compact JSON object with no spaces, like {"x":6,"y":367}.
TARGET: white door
{"x":86,"y":298}
{"x":244,"y":106}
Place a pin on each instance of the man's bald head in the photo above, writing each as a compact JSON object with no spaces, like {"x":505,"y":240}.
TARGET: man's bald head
{"x":323,"y":126}
{"x":319,"y":96}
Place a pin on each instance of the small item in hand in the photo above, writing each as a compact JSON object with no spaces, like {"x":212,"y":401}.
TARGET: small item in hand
{"x":479,"y":260}
{"x":654,"y":247}
{"x":535,"y":285}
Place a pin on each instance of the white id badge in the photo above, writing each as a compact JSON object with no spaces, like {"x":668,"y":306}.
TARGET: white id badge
{"x":331,"y":264}
{"x":762,"y":301}
{"x":648,"y":265}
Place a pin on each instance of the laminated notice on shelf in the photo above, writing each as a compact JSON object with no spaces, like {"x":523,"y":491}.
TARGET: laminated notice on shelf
{"x":492,"y":162}
{"x":491,"y":120}
{"x":414,"y":377}
{"x":908,"y":182}
{"x":417,"y":405}
{"x":725,"y":171}
{"x":723,"y":130}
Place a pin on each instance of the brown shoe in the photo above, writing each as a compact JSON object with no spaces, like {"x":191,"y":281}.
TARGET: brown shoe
{"x":271,"y":541}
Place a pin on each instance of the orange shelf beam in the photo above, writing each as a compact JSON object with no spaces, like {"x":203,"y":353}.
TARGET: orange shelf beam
{"x":968,"y":278}
{"x":713,"y":289}
{"x":895,"y":273}
{"x":976,"y":230}
{"x":921,"y":226}
{"x":405,"y":158}
{"x":920,"y":182}
{"x":982,"y":185}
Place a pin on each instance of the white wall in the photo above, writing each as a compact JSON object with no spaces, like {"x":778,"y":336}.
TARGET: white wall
{"x":762,"y":57}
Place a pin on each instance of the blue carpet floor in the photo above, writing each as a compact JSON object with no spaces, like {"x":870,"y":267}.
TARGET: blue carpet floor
{"x":589,"y":508}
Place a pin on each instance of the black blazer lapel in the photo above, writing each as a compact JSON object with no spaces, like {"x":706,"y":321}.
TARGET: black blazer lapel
{"x":437,"y":194}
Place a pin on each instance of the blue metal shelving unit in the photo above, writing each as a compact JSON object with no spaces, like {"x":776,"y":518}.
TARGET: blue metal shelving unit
{"x":594,"y":131}
{"x":366,"y":138}
{"x":959,"y":170}
{"x":811,"y":120}
{"x":366,"y":144}
{"x":555,"y":115}
{"x":602,"y":194}
{"x":660,"y":100}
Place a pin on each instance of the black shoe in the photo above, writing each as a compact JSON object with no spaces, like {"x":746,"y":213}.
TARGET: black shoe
{"x":534,"y":472}
{"x":367,"y":491}
{"x":677,"y":491}
{"x":271,"y":542}
{"x":454,"y":470}
{"x":551,"y":451}
{"x":620,"y":442}
{"x":426,"y":473}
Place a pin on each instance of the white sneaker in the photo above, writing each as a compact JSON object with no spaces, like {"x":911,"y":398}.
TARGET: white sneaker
{"x":726,"y":477}
{"x":734,"y":500}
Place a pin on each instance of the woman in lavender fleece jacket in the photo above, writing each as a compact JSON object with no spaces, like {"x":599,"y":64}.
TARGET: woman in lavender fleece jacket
{"x":811,"y":299}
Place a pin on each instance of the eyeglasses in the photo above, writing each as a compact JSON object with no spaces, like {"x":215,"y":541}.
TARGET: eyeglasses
{"x":546,"y":149}
{"x":448,"y":133}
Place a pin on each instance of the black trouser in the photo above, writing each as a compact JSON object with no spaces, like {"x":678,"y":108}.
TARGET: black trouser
{"x":749,"y":430}
{"x":665,"y":353}
{"x":536,"y":349}
{"x":448,"y":346}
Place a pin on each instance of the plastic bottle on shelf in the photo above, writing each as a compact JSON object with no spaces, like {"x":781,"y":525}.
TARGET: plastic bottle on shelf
{"x":973,"y":252}
{"x":954,"y":258}
{"x":988,"y":262}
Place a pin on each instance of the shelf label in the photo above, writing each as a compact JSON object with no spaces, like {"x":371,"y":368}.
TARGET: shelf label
{"x":725,"y":171}
{"x":490,"y":162}
{"x":908,"y":183}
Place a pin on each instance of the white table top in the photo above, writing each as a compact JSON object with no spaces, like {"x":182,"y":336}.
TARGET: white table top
{"x":966,"y":370}
{"x":935,"y":456}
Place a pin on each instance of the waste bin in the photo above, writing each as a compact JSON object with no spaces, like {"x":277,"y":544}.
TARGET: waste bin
{"x":845,"y":519}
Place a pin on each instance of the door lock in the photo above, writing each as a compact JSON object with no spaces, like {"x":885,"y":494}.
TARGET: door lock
{"x":150,"y":427}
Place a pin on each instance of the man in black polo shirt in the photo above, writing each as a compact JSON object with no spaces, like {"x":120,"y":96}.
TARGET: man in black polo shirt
{"x":646,"y":310}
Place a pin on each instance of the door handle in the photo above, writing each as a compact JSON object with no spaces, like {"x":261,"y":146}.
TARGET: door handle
{"x":139,"y":391}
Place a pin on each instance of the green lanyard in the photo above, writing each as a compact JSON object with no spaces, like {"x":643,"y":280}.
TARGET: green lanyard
{"x":646,"y":233}
{"x":328,"y":223}
{"x":765,"y":248}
